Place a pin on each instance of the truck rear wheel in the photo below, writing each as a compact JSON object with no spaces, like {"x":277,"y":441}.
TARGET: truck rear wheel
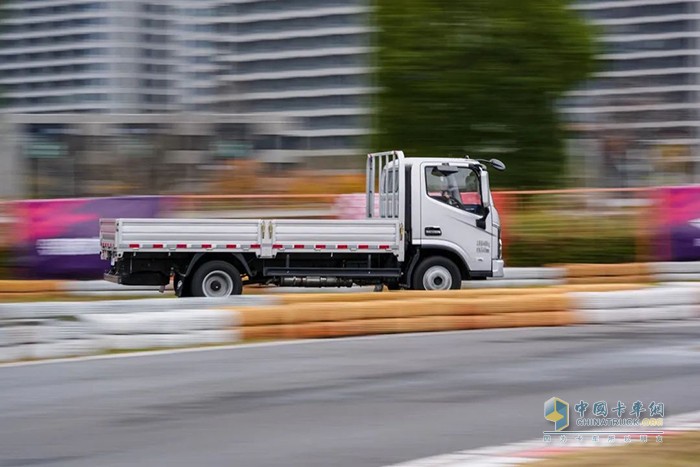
{"x":216,"y":279}
{"x":437,"y":273}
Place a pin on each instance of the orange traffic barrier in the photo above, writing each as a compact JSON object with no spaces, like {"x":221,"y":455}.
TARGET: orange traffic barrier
{"x":29,"y":286}
{"x":535,"y":303}
{"x":405,"y":295}
{"x":262,"y":316}
{"x":366,"y":327}
{"x":598,"y":279}
{"x":263,"y":332}
{"x":400,"y":309}
{"x":609,"y":287}
{"x":607,"y":270}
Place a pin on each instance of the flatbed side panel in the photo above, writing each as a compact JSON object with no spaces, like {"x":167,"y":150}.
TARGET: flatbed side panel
{"x":189,"y":234}
{"x":371,"y":235}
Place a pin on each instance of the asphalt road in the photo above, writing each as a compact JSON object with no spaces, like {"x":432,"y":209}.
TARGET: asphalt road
{"x":355,"y":402}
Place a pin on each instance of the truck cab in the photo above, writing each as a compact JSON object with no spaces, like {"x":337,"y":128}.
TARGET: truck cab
{"x":452,"y":216}
{"x":430,"y":224}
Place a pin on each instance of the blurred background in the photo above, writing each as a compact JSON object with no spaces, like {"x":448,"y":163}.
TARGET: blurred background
{"x":267,"y":107}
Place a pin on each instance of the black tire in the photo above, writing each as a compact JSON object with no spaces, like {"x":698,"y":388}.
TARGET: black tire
{"x":439,"y":271}
{"x":216,"y":279}
{"x":182,"y":286}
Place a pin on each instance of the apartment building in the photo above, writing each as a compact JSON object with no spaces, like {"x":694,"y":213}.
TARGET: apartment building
{"x":641,"y":110}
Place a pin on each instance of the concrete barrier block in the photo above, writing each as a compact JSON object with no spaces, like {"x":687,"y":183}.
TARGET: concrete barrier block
{"x":15,"y":353}
{"x":677,"y":277}
{"x":212,"y":337}
{"x":690,"y":267}
{"x":638,"y":314}
{"x":511,"y":283}
{"x":137,"y":341}
{"x":67,"y":348}
{"x":650,"y":297}
{"x":160,"y":322}
{"x":54,"y":330}
{"x":534,"y":273}
{"x":17,"y":335}
{"x":607,"y":287}
{"x":159,"y":341}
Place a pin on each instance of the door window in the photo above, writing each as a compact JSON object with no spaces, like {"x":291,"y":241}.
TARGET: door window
{"x":458,"y":187}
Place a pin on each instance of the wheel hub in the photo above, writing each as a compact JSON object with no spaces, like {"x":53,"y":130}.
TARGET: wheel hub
{"x":218,"y":284}
{"x":437,"y":278}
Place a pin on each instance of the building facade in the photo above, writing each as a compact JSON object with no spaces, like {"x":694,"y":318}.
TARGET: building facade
{"x":308,"y":59}
{"x":640,"y":114}
{"x":59,"y":56}
{"x":304,"y":59}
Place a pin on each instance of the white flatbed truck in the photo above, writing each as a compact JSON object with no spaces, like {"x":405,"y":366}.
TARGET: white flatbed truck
{"x":430,"y":224}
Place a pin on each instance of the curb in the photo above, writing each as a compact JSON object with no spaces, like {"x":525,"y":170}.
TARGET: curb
{"x":528,"y":452}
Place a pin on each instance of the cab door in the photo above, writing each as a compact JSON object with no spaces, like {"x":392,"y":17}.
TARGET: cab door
{"x":453,"y":215}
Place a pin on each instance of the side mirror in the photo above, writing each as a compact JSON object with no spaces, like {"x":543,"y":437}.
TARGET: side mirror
{"x":497,"y":164}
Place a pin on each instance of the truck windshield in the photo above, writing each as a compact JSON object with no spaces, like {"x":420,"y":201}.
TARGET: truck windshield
{"x":461,"y":189}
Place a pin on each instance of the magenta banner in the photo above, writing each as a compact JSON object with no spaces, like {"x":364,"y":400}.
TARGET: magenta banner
{"x":679,"y":212}
{"x":59,"y":239}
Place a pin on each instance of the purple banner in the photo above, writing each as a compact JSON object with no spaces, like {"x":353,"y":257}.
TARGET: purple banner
{"x":59,"y":239}
{"x":679,"y":210}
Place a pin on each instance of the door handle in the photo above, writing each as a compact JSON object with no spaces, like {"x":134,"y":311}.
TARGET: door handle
{"x":433,"y":231}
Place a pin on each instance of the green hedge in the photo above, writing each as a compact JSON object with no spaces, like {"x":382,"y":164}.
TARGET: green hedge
{"x":538,"y":237}
{"x":562,"y":249}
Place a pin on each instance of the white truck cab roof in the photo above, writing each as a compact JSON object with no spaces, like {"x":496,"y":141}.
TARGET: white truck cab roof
{"x":440,"y":160}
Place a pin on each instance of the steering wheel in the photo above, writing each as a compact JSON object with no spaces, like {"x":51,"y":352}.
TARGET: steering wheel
{"x":454,"y":202}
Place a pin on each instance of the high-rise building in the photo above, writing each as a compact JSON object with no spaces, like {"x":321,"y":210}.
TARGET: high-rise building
{"x":60,"y":56}
{"x":302,"y":59}
{"x":308,"y":59}
{"x":196,"y":54}
{"x":641,"y":110}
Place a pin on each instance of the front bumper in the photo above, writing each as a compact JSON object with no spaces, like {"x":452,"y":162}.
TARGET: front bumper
{"x":498,"y":268}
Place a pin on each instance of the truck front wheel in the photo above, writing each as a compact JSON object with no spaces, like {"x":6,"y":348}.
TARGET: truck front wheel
{"x":216,"y":279}
{"x":437,"y":273}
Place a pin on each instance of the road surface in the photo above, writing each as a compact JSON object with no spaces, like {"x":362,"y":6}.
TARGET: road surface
{"x":352,"y":402}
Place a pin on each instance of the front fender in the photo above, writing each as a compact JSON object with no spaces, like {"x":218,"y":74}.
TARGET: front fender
{"x":448,"y":246}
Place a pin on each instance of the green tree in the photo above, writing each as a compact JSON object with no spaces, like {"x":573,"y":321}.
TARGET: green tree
{"x":480,"y":77}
